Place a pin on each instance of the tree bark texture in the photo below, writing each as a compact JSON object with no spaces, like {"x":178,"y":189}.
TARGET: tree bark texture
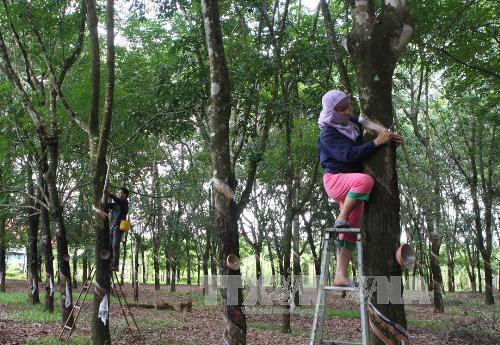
{"x":375,"y":44}
{"x":135,"y":281}
{"x":124,"y":259}
{"x":437,"y":278}
{"x":3,"y":243}
{"x":4,"y":200}
{"x":157,"y":226}
{"x":98,"y":130}
{"x":48,"y":253}
{"x":56,"y":212}
{"x":226,"y":210}
{"x":33,"y":222}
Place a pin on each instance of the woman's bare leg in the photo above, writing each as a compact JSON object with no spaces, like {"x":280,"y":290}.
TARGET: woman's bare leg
{"x":343,"y":258}
{"x":349,"y":205}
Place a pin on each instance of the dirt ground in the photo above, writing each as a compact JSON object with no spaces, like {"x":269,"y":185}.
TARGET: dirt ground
{"x":466,"y":321}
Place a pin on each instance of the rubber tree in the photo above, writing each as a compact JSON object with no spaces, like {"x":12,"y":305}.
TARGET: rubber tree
{"x":226,"y":211}
{"x":33,"y":222}
{"x":48,"y":132}
{"x":98,"y":130}
{"x":375,"y":44}
{"x":3,"y":220}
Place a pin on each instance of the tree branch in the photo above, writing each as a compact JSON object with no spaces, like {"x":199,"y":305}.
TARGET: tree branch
{"x":51,"y":71}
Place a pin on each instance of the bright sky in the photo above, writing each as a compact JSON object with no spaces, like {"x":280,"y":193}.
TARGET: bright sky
{"x":311,"y":4}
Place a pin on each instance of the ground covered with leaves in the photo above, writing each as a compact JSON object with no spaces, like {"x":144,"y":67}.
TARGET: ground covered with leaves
{"x":466,"y":320}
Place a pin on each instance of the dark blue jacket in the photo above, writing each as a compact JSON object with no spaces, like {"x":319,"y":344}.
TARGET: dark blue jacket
{"x":119,"y":210}
{"x":339,"y":154}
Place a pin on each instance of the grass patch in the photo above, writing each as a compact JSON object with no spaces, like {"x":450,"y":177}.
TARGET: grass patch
{"x":342,"y":313}
{"x":14,"y":298}
{"x":30,"y":313}
{"x":427,"y":324}
{"x":35,"y":314}
{"x":75,"y":340}
{"x":21,"y":298}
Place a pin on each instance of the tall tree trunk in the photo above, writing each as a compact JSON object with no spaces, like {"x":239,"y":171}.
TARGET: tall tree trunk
{"x":174,"y":274}
{"x":297,"y":270}
{"x":122,"y":272}
{"x":198,"y":267}
{"x":3,"y":243}
{"x":226,"y":210}
{"x":156,"y":262}
{"x":3,"y":220}
{"x":288,"y":225}
{"x":312,"y":246}
{"x":98,"y":131}
{"x":271,"y":260}
{"x":85,"y":268}
{"x":471,"y":270}
{"x":135,"y":281}
{"x":75,"y":268}
{"x":56,"y":211}
{"x":437,"y":279}
{"x":375,"y":44}
{"x":478,"y":267}
{"x":188,"y":263}
{"x":33,"y":222}
{"x":49,"y":257}
{"x":451,"y":268}
{"x":144,"y":278}
{"x":258,"y":272}
{"x":157,"y":227}
{"x":167,"y":265}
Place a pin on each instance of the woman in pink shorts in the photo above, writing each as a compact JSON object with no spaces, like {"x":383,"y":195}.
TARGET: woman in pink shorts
{"x":342,"y":153}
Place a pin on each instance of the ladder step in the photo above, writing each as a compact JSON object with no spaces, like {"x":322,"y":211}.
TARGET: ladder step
{"x":337,"y":342}
{"x":68,"y":327}
{"x":344,"y":230}
{"x":85,"y":287}
{"x":341,"y":288}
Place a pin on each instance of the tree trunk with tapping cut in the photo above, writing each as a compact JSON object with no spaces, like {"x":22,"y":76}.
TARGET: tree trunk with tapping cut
{"x":226,"y":210}
{"x":375,"y":44}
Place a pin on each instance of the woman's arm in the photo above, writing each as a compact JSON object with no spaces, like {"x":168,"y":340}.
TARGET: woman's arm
{"x":342,"y":149}
{"x":114,"y":197}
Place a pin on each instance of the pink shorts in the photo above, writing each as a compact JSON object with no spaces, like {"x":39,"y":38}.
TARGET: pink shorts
{"x":352,"y":185}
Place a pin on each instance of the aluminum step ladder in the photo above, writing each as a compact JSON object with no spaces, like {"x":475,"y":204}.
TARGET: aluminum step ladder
{"x":319,"y":312}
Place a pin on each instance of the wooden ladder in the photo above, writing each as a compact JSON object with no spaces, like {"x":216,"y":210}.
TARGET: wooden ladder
{"x":124,"y":306}
{"x":77,"y":306}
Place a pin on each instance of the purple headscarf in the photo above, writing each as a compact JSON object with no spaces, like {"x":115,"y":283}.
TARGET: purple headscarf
{"x":329,"y":116}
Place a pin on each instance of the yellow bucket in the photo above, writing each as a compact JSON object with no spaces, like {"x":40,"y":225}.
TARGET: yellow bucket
{"x":124,"y":225}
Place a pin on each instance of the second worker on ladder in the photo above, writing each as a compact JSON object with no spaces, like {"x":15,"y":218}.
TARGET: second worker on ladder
{"x":119,"y":211}
{"x":342,"y":153}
